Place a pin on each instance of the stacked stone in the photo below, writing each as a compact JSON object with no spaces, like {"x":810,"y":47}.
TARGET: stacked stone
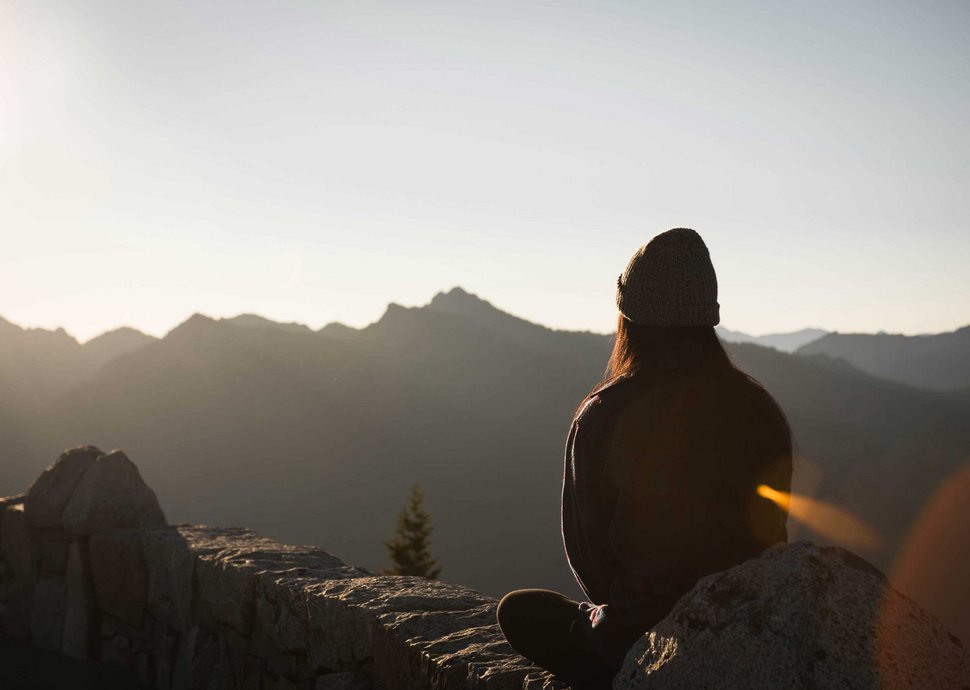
{"x":88,"y":566}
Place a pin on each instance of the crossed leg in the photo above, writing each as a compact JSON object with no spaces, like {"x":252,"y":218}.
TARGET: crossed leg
{"x":542,"y":626}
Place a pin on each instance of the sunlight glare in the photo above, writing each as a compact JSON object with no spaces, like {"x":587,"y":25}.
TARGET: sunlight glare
{"x":827,"y":520}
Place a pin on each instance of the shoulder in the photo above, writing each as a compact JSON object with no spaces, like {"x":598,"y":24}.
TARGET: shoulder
{"x":605,"y":399}
{"x":763,"y":415}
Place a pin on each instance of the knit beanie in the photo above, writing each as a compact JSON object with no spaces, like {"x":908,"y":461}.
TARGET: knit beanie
{"x":670,"y":281}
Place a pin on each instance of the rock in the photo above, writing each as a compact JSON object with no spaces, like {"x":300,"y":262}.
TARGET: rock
{"x":171,"y":571}
{"x":249,"y":673}
{"x":228,"y":591}
{"x":17,"y":554}
{"x":343,"y":613}
{"x":50,"y":494}
{"x":111,"y":495}
{"x":345,"y":680}
{"x":119,"y":574}
{"x":800,"y":616}
{"x":50,"y":545}
{"x":164,"y":650}
{"x":419,"y":633}
{"x":47,"y":613}
{"x":542,"y":680}
{"x":78,"y":615}
{"x":227,"y":578}
{"x":9,"y":501}
{"x":182,"y":673}
{"x":446,"y":649}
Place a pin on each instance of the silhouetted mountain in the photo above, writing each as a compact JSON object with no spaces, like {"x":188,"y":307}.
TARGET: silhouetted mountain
{"x":335,"y":329}
{"x":255,"y":321}
{"x":786,"y":342}
{"x":940,"y":361}
{"x":36,"y":364}
{"x":316,"y":437}
{"x":107,"y":346}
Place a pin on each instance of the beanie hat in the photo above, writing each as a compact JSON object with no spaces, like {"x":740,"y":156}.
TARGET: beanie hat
{"x":670,"y":281}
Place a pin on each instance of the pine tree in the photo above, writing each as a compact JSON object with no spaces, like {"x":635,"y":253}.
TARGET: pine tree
{"x":409,"y":550}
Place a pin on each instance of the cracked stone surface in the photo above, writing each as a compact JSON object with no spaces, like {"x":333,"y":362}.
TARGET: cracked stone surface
{"x":343,"y":614}
{"x":800,"y":616}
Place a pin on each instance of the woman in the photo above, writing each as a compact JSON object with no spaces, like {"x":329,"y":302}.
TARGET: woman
{"x":663,"y":461}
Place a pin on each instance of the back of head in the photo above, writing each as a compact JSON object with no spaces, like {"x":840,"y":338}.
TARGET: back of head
{"x":670,"y":282}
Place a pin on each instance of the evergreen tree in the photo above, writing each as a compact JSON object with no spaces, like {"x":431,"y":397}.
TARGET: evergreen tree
{"x":409,"y":550}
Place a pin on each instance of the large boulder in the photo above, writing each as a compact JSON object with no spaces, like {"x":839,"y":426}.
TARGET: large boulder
{"x":50,"y":494}
{"x":111,"y":495}
{"x":800,"y":616}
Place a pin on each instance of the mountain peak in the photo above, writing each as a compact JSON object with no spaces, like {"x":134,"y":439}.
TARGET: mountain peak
{"x":459,"y":301}
{"x":194,"y":324}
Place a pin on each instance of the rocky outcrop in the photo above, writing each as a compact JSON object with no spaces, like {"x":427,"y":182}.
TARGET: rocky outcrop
{"x":47,"y":585}
{"x":88,"y":567}
{"x":110,"y":495}
{"x":222,"y":608}
{"x":800,"y":616}
{"x":48,"y":497}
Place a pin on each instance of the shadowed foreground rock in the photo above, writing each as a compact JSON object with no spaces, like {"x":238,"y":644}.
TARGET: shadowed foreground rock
{"x":800,"y":616}
{"x":88,"y":567}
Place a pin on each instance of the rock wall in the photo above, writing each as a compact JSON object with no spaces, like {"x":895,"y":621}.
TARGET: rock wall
{"x":89,"y":567}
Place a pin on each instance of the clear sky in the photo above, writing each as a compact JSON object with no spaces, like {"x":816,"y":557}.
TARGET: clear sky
{"x":313,"y":161}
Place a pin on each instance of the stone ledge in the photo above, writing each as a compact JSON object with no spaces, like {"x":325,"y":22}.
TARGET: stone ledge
{"x":212,"y":607}
{"x":88,"y":567}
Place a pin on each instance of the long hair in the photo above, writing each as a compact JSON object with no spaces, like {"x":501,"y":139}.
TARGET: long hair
{"x":640,"y":349}
{"x":637,"y":347}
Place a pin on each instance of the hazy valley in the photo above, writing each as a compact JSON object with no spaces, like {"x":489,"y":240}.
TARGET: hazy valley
{"x":315,"y":436}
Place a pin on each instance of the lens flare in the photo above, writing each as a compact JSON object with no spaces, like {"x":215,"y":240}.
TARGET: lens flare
{"x":826,"y":520}
{"x":933,"y":564}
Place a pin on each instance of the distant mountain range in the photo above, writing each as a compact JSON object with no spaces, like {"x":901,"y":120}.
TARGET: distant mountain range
{"x":786,"y":342}
{"x":36,"y":364}
{"x":315,"y":436}
{"x":940,"y":361}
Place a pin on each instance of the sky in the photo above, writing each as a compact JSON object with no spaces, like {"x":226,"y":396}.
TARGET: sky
{"x":314,"y":161}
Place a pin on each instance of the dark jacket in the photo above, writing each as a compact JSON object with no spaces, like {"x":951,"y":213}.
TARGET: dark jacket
{"x":660,"y":488}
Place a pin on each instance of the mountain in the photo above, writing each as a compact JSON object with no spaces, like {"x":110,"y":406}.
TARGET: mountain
{"x":940,"y":361}
{"x":36,"y":364}
{"x":317,"y":436}
{"x":786,"y":342}
{"x":105,"y":347}
{"x":255,"y":321}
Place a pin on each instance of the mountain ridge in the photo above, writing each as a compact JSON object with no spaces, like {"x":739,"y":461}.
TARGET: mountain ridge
{"x":938,"y":361}
{"x":294,"y":432}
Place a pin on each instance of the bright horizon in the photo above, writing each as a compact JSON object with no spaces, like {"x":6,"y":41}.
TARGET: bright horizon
{"x":313,"y":163}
